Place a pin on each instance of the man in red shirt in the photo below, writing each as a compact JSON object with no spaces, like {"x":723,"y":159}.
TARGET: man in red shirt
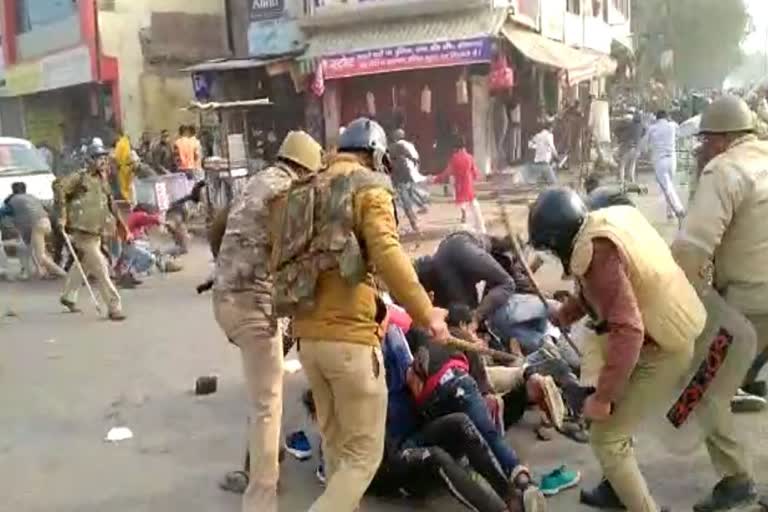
{"x":462,"y":168}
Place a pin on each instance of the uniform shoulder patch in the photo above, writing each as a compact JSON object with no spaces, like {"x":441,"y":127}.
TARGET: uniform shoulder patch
{"x":581,"y":257}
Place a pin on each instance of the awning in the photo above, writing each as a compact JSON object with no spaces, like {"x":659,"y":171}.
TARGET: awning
{"x":231,"y":64}
{"x":579,"y":64}
{"x":403,"y":38}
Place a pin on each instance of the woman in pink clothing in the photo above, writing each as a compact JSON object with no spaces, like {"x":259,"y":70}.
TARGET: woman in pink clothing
{"x":462,"y":168}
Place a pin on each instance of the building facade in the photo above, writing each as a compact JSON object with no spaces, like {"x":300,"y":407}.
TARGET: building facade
{"x":75,"y":69}
{"x":488,"y":71}
{"x":58,"y":86}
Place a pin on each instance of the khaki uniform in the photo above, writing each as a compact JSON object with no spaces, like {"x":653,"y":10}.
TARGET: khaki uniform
{"x":85,"y":202}
{"x":242,"y":305}
{"x":724,"y":241}
{"x":726,"y":225}
{"x":673,"y":316}
{"x":334,"y":305}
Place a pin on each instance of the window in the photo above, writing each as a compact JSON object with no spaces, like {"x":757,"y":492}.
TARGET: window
{"x":574,"y":6}
{"x":32,"y":14}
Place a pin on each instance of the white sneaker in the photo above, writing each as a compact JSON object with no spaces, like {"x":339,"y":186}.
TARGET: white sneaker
{"x":744,"y":402}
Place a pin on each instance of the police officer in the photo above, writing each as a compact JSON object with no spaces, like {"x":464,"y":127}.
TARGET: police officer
{"x":727,"y":452}
{"x":242,"y":304}
{"x":730,"y":206}
{"x":86,"y":209}
{"x":330,"y":236}
{"x":650,"y":315}
{"x":725,"y":239}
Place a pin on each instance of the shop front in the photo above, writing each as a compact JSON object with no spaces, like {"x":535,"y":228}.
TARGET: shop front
{"x":426,"y":75}
{"x":63,"y":101}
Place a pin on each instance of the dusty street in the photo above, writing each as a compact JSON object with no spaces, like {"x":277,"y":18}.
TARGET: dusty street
{"x":65,"y":380}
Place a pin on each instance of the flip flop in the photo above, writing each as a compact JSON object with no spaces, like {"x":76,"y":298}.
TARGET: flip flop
{"x":553,"y":402}
{"x":534,"y":500}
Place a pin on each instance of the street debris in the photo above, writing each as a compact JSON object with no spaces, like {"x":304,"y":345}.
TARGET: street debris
{"x":292,"y":366}
{"x":117,"y":434}
{"x":206,"y":385}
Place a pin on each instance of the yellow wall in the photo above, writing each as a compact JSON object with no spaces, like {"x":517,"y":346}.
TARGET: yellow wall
{"x":149,"y":100}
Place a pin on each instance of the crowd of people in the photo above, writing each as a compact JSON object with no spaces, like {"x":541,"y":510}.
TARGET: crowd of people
{"x":406,"y":393}
{"x":84,"y":233}
{"x":417,"y":368}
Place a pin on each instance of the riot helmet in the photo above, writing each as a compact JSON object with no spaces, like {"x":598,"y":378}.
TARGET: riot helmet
{"x":727,"y":114}
{"x":300,"y":148}
{"x":554,"y":220}
{"x":603,"y":197}
{"x":366,"y":135}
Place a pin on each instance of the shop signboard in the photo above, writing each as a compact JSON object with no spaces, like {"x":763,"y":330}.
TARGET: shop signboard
{"x":266,"y":9}
{"x":67,"y":68}
{"x":61,"y":69}
{"x":274,"y":37}
{"x":553,"y":19}
{"x":24,"y":78}
{"x":407,"y":57}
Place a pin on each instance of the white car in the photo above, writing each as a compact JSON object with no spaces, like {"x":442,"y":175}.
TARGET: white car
{"x":21,"y":161}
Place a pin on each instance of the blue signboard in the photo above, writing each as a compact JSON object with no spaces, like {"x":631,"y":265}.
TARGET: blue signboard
{"x":274,"y":37}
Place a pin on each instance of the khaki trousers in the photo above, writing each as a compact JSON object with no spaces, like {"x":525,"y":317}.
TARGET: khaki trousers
{"x":760,"y":323}
{"x":656,"y":373}
{"x":94,"y":264}
{"x":39,"y":251}
{"x":728,"y":453}
{"x":261,"y":350}
{"x":504,"y":379}
{"x":654,"y":379}
{"x":350,"y":394}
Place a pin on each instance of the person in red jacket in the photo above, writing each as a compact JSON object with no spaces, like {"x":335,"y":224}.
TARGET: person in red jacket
{"x":462,"y":168}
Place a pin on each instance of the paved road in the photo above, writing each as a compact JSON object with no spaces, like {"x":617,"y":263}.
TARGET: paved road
{"x":65,"y":380}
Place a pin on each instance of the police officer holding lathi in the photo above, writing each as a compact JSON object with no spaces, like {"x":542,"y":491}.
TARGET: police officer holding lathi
{"x":86,"y":209}
{"x":331,"y":235}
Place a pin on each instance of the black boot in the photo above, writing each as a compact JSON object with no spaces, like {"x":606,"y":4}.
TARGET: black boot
{"x":729,"y":493}
{"x":602,"y":496}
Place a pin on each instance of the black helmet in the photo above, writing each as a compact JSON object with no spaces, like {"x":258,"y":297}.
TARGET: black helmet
{"x":363,"y":134}
{"x":603,"y":197}
{"x":554,"y":220}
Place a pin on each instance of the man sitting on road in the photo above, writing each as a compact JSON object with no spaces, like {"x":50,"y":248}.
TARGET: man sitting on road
{"x":441,"y":383}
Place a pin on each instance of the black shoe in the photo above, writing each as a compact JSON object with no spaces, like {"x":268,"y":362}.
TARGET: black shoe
{"x":602,"y":496}
{"x":757,"y":388}
{"x":729,"y":493}
{"x":116,"y":316}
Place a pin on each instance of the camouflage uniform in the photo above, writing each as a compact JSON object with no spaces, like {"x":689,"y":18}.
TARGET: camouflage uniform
{"x":84,"y":201}
{"x":242,"y":304}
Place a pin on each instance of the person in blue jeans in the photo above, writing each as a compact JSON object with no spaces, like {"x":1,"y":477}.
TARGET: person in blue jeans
{"x":441,"y":383}
{"x":421,"y":453}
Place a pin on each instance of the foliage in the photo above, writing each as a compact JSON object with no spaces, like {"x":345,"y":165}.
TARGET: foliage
{"x":705,"y":36}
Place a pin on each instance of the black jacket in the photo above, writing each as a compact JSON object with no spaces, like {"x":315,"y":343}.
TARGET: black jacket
{"x":462,"y":261}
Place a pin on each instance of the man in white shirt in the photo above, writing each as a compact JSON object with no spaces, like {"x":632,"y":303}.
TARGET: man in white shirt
{"x":661,"y":140}
{"x":543,"y":143}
